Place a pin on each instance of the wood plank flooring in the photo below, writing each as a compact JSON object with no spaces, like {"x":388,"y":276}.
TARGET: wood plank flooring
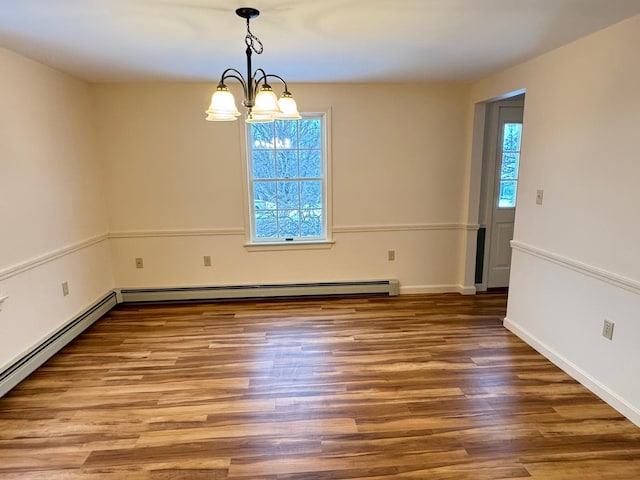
{"x":412,"y":387}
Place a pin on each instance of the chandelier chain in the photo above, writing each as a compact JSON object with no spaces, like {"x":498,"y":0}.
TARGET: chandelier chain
{"x":253,"y":42}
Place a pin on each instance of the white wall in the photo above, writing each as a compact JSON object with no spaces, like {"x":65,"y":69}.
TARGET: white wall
{"x":576,"y":258}
{"x":52,"y":205}
{"x":176,"y":191}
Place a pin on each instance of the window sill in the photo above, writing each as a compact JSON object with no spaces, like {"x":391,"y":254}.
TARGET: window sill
{"x":299,"y":245}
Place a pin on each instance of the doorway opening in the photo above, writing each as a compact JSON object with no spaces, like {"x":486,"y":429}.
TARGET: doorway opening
{"x":498,"y":192}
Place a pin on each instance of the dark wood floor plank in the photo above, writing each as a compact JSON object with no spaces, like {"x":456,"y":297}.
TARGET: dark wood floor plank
{"x":412,"y":387}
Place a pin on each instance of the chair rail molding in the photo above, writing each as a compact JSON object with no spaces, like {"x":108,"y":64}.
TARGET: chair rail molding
{"x":404,"y":227}
{"x":50,"y":256}
{"x":186,"y":232}
{"x":594,"y":272}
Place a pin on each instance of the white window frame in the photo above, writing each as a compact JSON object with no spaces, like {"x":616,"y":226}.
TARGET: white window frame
{"x":259,"y":244}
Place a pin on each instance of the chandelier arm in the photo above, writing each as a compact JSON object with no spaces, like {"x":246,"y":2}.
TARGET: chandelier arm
{"x":261,"y":79}
{"x":235,"y":74}
{"x":239,"y":79}
{"x":269,"y":75}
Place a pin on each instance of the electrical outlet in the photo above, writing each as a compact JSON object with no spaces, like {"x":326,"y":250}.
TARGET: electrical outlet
{"x":139,"y":263}
{"x":391,"y":255}
{"x":65,"y":289}
{"x":539,"y":197}
{"x":607,"y":329}
{"x":207,"y":260}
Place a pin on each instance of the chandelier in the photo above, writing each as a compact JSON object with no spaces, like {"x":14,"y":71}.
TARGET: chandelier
{"x":261,"y":103}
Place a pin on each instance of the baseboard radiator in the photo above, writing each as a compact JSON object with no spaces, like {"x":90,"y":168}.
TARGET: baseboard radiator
{"x":38,"y":355}
{"x":389,"y":287}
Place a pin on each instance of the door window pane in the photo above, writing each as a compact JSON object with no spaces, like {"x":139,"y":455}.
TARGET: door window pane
{"x":507,"y":197}
{"x":510,"y":165}
{"x":512,"y":134}
{"x":509,"y":169}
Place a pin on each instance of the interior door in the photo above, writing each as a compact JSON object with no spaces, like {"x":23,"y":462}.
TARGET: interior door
{"x":505,"y":187}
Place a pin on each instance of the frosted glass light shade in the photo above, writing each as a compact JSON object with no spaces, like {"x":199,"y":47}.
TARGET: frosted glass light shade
{"x":213,"y":117}
{"x":223,"y":105}
{"x":266,"y":102}
{"x":288,"y":108}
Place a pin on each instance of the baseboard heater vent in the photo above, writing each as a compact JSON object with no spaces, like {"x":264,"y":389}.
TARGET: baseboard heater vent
{"x":30,"y":361}
{"x":389,"y":287}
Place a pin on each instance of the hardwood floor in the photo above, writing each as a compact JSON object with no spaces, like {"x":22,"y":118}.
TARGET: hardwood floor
{"x":412,"y":387}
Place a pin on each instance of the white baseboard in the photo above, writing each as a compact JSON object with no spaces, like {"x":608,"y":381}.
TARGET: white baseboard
{"x":22,"y":367}
{"x":416,"y":289}
{"x":467,"y":289}
{"x":617,"y":402}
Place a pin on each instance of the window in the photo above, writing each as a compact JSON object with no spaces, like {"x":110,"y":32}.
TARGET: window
{"x":287,"y":172}
{"x":510,"y":165}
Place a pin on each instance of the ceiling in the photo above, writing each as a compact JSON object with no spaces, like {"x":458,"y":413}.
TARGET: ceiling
{"x":304,"y":40}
